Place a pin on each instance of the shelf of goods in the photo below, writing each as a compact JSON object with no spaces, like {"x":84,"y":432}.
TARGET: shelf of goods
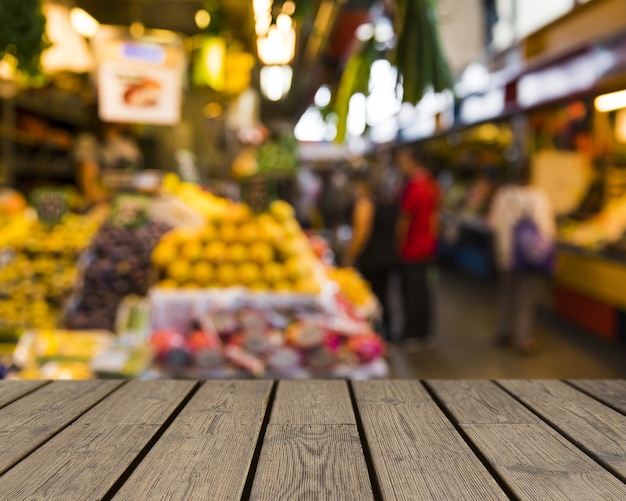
{"x":204,"y":287}
{"x":465,"y":238}
{"x":590,"y":280}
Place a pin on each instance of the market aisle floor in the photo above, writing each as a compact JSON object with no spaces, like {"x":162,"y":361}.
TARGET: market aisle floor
{"x":465,"y":349}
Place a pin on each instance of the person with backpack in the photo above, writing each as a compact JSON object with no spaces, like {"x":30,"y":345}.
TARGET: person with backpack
{"x":524,"y":231}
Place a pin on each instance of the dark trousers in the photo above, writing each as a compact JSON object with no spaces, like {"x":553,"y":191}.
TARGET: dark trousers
{"x":378,"y":279}
{"x":417,"y":299}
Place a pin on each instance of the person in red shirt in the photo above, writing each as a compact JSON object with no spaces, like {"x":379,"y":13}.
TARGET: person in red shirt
{"x":417,"y":244}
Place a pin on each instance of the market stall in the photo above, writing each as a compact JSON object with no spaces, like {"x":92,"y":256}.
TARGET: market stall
{"x":212,"y":289}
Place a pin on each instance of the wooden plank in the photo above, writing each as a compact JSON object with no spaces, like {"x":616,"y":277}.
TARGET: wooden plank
{"x":597,"y":428}
{"x":312,"y":448}
{"x":609,"y":391}
{"x":207,"y":451}
{"x":12,"y":390}
{"x":416,"y":451}
{"x":88,"y":457}
{"x":534,"y":460}
{"x":312,"y":402}
{"x":32,"y":420}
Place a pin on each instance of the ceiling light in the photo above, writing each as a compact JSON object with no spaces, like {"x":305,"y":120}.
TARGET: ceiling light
{"x":610,"y":102}
{"x":383,"y":32}
{"x":283,"y":23}
{"x":202,"y":18}
{"x":322,"y":97}
{"x":262,"y":6}
{"x":289,"y":8}
{"x":137,"y":29}
{"x":276,"y":81}
{"x":83,"y":22}
{"x":364,"y":32}
{"x":277,"y":48}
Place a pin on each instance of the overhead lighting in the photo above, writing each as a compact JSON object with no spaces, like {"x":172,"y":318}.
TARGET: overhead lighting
{"x":278,"y":47}
{"x":364,"y":32}
{"x":276,"y":81}
{"x":202,"y":19}
{"x":289,"y":8}
{"x":283,"y":23}
{"x":137,"y":29}
{"x":322,"y":97}
{"x":610,"y":102}
{"x":84,"y":24}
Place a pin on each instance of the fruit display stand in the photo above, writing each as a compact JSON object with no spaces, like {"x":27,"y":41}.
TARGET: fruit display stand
{"x":590,"y":278}
{"x":244,"y":295}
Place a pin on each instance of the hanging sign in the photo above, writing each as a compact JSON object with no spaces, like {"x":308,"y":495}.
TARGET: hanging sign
{"x":139,"y":79}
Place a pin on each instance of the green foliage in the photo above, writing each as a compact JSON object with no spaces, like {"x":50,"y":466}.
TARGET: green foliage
{"x":278,"y":156}
{"x":22,"y":33}
{"x":354,"y":79}
{"x":419,"y":55}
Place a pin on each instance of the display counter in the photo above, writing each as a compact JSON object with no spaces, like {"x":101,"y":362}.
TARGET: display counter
{"x":590,"y":290}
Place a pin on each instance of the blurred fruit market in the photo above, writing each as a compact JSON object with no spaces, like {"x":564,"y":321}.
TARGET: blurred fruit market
{"x":220,"y":290}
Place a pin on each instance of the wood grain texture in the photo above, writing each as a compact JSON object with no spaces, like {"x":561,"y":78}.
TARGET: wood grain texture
{"x":312,"y":449}
{"x":207,"y":451}
{"x":416,"y":451}
{"x":534,"y":460}
{"x":585,"y":421}
{"x":30,"y":421}
{"x":312,"y":402}
{"x":85,"y":459}
{"x":12,"y":390}
{"x":610,"y":391}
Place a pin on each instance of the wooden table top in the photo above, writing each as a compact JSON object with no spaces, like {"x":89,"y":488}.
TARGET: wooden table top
{"x":313,"y":439}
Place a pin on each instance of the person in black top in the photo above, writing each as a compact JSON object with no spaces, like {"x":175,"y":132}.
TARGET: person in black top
{"x":372,"y":249}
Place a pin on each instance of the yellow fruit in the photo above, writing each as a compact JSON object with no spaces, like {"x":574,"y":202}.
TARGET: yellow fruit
{"x":293,"y":246}
{"x":283,"y":286}
{"x":215,"y":252}
{"x":179,"y":271}
{"x":228,"y":233}
{"x":227,"y":274}
{"x":249,"y":273}
{"x":281,"y":210}
{"x":202,"y":273}
{"x":208,"y":233}
{"x":259,"y":286}
{"x":274,"y":273}
{"x":238,"y":213}
{"x":191,"y":250}
{"x":237,"y":253}
{"x":164,"y":253}
{"x":168,"y":283}
{"x":308,"y":286}
{"x":292,"y":228}
{"x":261,"y":253}
{"x":249,"y":233}
{"x":297,"y":267}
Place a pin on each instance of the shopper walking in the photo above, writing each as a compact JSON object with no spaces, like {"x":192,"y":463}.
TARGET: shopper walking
{"x":372,"y":246}
{"x":416,"y":232}
{"x":523,"y":223}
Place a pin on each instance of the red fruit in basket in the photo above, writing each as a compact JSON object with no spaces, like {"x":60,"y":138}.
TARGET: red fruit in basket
{"x":166,"y":340}
{"x":202,"y":339}
{"x":366,"y":347}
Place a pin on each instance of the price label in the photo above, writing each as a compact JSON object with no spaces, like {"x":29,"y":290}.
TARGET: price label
{"x":130,"y":211}
{"x":51,"y":204}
